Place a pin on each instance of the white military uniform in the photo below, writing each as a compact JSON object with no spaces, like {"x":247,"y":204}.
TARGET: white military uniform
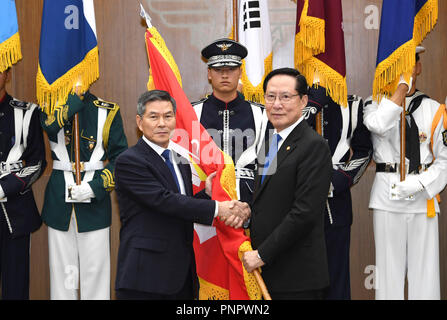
{"x":406,"y":239}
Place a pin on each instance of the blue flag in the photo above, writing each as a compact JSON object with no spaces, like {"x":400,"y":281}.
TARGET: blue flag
{"x":10,"y":51}
{"x":404,"y":24}
{"x":68,"y":55}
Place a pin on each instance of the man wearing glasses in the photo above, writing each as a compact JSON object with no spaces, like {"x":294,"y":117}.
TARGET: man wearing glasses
{"x":291,"y":188}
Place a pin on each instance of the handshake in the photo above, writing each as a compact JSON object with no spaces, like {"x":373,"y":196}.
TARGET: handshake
{"x":234,"y":213}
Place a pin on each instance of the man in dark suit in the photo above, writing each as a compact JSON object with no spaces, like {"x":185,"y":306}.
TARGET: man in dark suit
{"x":291,"y":188}
{"x":156,"y":257}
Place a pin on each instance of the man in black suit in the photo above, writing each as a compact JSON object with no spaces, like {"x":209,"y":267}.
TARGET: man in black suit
{"x":287,"y":224}
{"x":156,"y":257}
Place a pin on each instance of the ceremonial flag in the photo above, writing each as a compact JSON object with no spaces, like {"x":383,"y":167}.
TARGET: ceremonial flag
{"x":217,"y":248}
{"x":68,"y":55}
{"x":320,"y":46}
{"x":10,"y":51}
{"x":404,"y":24}
{"x":254,"y":33}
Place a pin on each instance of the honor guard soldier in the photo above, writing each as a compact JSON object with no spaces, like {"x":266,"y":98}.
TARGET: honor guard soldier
{"x":237,"y":126}
{"x":22,"y":161}
{"x":406,"y":213}
{"x":79,"y":216}
{"x":351,"y":148}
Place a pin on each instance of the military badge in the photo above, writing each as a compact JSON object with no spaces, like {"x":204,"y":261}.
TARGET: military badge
{"x":444,"y":137}
{"x":91,"y":144}
{"x":422,"y":137}
{"x":224,"y":46}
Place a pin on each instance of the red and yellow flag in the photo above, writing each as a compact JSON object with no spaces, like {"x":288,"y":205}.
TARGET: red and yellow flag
{"x":320,"y":46}
{"x":217,"y":248}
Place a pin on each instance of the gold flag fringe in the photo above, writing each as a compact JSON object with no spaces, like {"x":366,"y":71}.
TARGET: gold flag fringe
{"x":160,"y":44}
{"x":250,"y":92}
{"x":425,"y":20}
{"x":209,"y":291}
{"x":403,"y":59}
{"x":333,"y":81}
{"x":253,"y":289}
{"x":10,"y":52}
{"x":388,"y":71}
{"x":310,"y":40}
{"x":49,"y":96}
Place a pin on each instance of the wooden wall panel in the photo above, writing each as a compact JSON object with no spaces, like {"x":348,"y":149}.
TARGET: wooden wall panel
{"x":187,"y":26}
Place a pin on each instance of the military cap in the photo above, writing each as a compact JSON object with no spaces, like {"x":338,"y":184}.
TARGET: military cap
{"x":224,"y":53}
{"x":420,"y":49}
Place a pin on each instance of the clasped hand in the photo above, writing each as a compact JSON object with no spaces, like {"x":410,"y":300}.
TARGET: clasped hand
{"x":234,"y":213}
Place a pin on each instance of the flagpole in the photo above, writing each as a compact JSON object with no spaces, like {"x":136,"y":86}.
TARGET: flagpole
{"x":235,"y":21}
{"x":318,"y":127}
{"x":77,"y":146}
{"x":402,"y":142}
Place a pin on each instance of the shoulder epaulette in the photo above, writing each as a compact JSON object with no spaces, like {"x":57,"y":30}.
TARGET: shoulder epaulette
{"x":199,"y":102}
{"x":20,"y":104}
{"x":104,"y":104}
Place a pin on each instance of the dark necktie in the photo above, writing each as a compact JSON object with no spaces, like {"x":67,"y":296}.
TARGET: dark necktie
{"x":412,"y":144}
{"x":273,"y":150}
{"x":167,"y":156}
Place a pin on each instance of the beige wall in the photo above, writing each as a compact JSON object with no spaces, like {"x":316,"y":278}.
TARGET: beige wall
{"x":187,"y":26}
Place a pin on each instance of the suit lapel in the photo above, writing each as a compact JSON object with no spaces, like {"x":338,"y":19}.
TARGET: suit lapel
{"x":162,"y":171}
{"x":288,"y":146}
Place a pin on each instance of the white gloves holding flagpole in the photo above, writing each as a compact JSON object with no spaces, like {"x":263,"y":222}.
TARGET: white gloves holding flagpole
{"x":82,"y":192}
{"x":409,"y":187}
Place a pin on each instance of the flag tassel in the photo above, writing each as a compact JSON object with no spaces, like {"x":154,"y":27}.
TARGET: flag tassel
{"x":256,"y":93}
{"x":333,"y":81}
{"x":10,"y":52}
{"x":310,"y":40}
{"x":82,"y":75}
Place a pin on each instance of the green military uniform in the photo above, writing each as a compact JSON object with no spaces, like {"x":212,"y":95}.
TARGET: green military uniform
{"x":96,"y":215}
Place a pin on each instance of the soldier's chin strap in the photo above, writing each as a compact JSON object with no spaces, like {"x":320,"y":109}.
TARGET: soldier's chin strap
{"x":442,"y":111}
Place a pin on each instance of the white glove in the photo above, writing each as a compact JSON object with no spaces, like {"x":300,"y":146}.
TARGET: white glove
{"x":2,"y":193}
{"x":82,"y":192}
{"x":402,"y":80}
{"x":409,"y":187}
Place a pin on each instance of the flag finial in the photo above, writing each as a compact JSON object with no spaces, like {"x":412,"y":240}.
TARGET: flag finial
{"x":145,"y":16}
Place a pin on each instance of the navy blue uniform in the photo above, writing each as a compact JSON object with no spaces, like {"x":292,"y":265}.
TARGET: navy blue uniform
{"x":19,"y":215}
{"x":344,"y":131}
{"x":237,"y":128}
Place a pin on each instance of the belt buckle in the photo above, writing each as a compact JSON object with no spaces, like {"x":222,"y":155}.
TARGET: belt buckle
{"x":389,"y":166}
{"x":81,"y":166}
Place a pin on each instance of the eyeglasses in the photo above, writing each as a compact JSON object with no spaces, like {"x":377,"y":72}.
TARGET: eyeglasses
{"x":285,"y":97}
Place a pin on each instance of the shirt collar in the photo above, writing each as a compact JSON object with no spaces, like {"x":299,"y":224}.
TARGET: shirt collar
{"x":222,"y":105}
{"x":154,"y":146}
{"x":285,"y":133}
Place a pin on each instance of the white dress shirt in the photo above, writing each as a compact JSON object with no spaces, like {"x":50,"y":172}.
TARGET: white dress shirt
{"x":159,"y":151}
{"x":285,"y":133}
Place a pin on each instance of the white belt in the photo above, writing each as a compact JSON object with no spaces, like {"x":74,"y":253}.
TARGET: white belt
{"x":70,"y":166}
{"x":11,"y":166}
{"x":243,"y":173}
